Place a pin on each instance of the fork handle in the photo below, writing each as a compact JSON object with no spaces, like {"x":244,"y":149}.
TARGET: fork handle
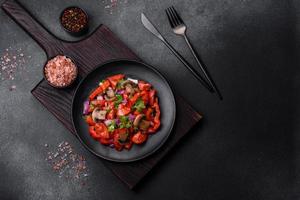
{"x":189,"y":67}
{"x":206,"y":75}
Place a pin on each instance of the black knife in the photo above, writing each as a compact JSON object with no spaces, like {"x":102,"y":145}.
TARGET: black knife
{"x":150,"y":27}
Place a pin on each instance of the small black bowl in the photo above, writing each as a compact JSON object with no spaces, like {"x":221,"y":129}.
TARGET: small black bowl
{"x":60,"y":87}
{"x":81,"y":31}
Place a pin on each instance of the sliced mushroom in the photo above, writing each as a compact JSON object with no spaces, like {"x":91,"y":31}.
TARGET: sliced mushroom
{"x":110,"y":93}
{"x":138,"y":119}
{"x":129,"y":89}
{"x":124,"y":83}
{"x":123,"y":137}
{"x":98,"y":114}
{"x":109,"y":98}
{"x":144,"y":125}
{"x":128,"y":82}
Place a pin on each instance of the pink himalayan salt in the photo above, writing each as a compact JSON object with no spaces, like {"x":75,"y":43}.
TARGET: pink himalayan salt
{"x":60,"y":71}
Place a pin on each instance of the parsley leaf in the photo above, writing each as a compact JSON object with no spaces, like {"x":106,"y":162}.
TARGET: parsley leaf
{"x":139,"y":105}
{"x":92,"y":107}
{"x":119,"y":84}
{"x":119,"y":100}
{"x":100,"y":83}
{"x":125,"y":122}
{"x":112,"y":126}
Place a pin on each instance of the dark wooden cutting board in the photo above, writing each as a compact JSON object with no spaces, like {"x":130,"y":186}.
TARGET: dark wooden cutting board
{"x":101,"y":46}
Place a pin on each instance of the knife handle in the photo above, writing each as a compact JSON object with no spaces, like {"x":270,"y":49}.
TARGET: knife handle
{"x":189,"y":67}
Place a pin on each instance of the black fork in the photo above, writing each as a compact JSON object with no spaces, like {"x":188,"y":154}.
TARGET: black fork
{"x":179,"y":28}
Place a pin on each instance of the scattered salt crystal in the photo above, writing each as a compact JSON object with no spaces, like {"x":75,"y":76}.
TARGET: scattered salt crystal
{"x":12,"y":61}
{"x":69,"y":165}
{"x":55,"y":155}
{"x":13,"y":87}
{"x":111,"y":5}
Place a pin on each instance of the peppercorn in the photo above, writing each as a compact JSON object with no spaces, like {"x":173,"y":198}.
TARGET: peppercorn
{"x":74,"y":19}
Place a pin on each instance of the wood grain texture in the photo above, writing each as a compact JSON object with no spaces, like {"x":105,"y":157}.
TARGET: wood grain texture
{"x":101,"y":46}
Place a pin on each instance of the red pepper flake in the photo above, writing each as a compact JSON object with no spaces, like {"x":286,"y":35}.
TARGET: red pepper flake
{"x":60,"y":71}
{"x":74,"y":19}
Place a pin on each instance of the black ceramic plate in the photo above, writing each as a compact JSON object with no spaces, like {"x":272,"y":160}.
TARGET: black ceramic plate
{"x":136,"y":70}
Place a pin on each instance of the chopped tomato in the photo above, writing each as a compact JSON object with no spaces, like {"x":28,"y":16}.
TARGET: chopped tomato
{"x":93,"y":132}
{"x":105,"y":84}
{"x":154,"y":128}
{"x":114,"y":79}
{"x":145,"y":97}
{"x":101,"y":131}
{"x":89,"y":120}
{"x":118,"y":145}
{"x":139,"y":138}
{"x":149,"y":114}
{"x":111,"y":114}
{"x":95,"y":93}
{"x":136,"y":113}
{"x":104,"y":141}
{"x":91,"y":109}
{"x":134,"y":99}
{"x":143,"y":85}
{"x":151,"y":97}
{"x":122,"y":131}
{"x":128,"y":145}
{"x":98,"y":102}
{"x":111,"y":105}
{"x":125,"y":96}
{"x":123,"y":110}
{"x":156,"y":120}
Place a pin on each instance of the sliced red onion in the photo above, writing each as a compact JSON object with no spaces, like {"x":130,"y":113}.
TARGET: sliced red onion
{"x":124,"y":101}
{"x":120,"y":91}
{"x":86,"y":107}
{"x":108,"y":122}
{"x":99,"y":97}
{"x":118,"y":121}
{"x":131,"y":117}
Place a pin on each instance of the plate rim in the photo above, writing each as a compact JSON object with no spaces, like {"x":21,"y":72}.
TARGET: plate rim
{"x":150,"y":152}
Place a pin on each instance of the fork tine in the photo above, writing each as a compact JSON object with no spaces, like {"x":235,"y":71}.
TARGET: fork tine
{"x":169,"y":18}
{"x":178,"y":16}
{"x":174,"y":16}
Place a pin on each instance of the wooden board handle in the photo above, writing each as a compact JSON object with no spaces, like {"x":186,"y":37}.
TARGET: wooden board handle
{"x":34,"y":28}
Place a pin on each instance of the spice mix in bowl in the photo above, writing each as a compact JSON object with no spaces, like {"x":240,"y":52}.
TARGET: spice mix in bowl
{"x":74,"y":20}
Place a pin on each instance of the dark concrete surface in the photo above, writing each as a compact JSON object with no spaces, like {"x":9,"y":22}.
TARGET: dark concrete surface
{"x":247,"y":147}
